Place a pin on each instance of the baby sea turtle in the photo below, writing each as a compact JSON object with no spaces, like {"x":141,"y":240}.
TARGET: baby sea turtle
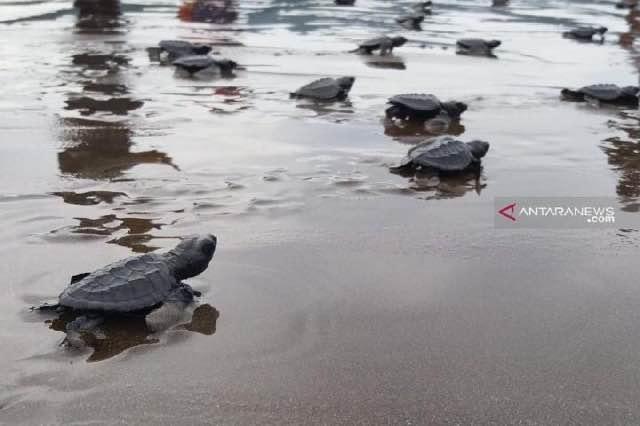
{"x":412,"y":21}
{"x":195,"y":63}
{"x":444,"y":154}
{"x":423,"y":107}
{"x":150,"y":283}
{"x":174,"y":49}
{"x":585,"y":33}
{"x":345,"y":2}
{"x":605,"y":93}
{"x":476,"y":46}
{"x":424,"y":7}
{"x":326,"y":89}
{"x":385,"y":44}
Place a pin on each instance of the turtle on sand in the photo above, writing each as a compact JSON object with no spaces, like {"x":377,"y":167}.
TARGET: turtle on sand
{"x":384,"y":44}
{"x":326,"y":89}
{"x":423,"y":107}
{"x":149,"y":284}
{"x":603,"y":93}
{"x":196,"y":63}
{"x":443,"y":154}
{"x":476,"y":46}
{"x":585,"y":33}
{"x":412,"y":21}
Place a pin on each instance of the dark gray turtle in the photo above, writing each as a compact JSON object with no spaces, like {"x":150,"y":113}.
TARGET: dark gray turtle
{"x":424,"y":7}
{"x":498,"y":3}
{"x":195,"y":63}
{"x":151,"y":281}
{"x":175,"y":49}
{"x":585,"y":33}
{"x":627,"y":4}
{"x":345,"y":2}
{"x":444,"y":154}
{"x":605,"y":93}
{"x":326,"y":89}
{"x":476,"y":46}
{"x":412,"y":21}
{"x":384,"y":44}
{"x":423,"y":107}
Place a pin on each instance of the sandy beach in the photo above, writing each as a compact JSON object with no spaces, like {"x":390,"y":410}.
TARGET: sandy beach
{"x":339,"y":293}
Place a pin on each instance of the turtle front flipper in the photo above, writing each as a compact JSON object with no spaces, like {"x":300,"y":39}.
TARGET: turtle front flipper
{"x":172,"y":310}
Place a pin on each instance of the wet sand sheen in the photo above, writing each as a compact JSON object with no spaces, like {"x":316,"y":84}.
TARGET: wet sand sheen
{"x":345,"y":294}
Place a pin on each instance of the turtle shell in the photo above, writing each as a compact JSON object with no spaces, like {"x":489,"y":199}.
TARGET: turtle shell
{"x":472,"y":43}
{"x":126,"y":285}
{"x":602,"y":92}
{"x":324,"y":89}
{"x":183,"y":48}
{"x":443,"y":153}
{"x":418,"y":102}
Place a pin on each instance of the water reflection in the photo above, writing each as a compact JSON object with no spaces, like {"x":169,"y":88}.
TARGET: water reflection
{"x":118,"y":333}
{"x":137,"y":229}
{"x":412,"y":132}
{"x":441,"y":186}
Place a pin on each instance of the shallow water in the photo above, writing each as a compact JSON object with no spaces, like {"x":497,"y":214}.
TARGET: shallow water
{"x":343,"y":293}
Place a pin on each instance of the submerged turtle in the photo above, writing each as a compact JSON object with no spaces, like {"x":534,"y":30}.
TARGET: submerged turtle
{"x":605,"y":93}
{"x":497,"y":3}
{"x":412,"y":21}
{"x":384,"y":44}
{"x":444,"y":154}
{"x":326,"y":89}
{"x":147,"y":284}
{"x":174,"y":49}
{"x":195,"y":63}
{"x":423,"y":107}
{"x":476,"y":46}
{"x":585,"y":33}
{"x":345,"y":2}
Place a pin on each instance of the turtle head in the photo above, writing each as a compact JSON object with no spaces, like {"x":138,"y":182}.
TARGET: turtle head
{"x":454,"y":109}
{"x":346,"y":82}
{"x":602,"y":30}
{"x":398,"y":41}
{"x":478,"y":148}
{"x":201,"y":49}
{"x":192,"y":256}
{"x":227,"y":66}
{"x":493,"y":43}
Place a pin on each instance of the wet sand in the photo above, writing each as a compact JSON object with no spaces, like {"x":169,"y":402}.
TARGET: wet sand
{"x":345,"y":294}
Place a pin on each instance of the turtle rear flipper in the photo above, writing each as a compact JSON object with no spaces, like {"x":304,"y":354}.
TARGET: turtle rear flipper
{"x":47,"y":307}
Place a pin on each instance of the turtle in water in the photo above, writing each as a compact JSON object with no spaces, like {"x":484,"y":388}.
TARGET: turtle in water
{"x":476,"y":46}
{"x":174,"y":49}
{"x":498,"y":3}
{"x":412,"y":21}
{"x":423,"y":107}
{"x":326,"y":89}
{"x":149,"y":284}
{"x":345,"y":2}
{"x":585,"y":33}
{"x":424,"y":7}
{"x":195,"y":63}
{"x":384,"y":44}
{"x":603,"y":93}
{"x":443,"y":154}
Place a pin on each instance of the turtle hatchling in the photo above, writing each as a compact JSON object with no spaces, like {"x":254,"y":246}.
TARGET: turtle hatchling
{"x":603,"y":93}
{"x":444,"y":154}
{"x":170,"y":50}
{"x":149,"y":284}
{"x":326,"y":89}
{"x":423,"y":107}
{"x":412,"y":22}
{"x":476,"y":46}
{"x":384,"y":44}
{"x":585,"y":33}
{"x":196,"y":63}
